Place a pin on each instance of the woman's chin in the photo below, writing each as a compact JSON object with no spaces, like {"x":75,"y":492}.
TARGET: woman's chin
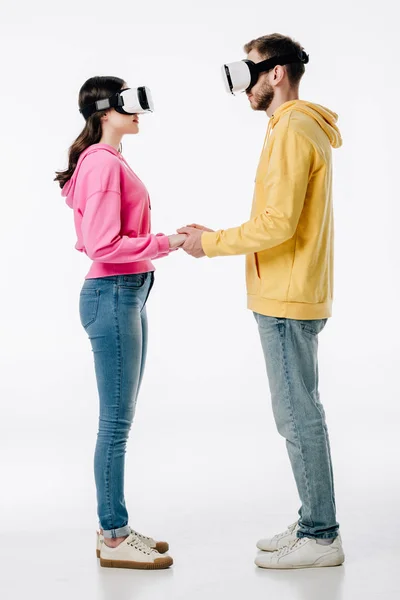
{"x":133,"y":131}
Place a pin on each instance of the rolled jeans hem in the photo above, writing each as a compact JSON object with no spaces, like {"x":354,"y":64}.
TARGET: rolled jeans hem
{"x":319,"y":536}
{"x":119,"y":532}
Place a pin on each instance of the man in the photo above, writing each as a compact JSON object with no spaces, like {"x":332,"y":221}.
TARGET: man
{"x":288,"y":243}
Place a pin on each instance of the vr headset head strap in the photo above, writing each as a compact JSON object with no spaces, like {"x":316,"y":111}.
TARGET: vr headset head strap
{"x":103,"y":104}
{"x":270,"y":63}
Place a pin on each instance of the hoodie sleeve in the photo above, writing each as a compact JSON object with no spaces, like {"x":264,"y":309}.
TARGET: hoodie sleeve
{"x":101,"y":220}
{"x":283,"y":190}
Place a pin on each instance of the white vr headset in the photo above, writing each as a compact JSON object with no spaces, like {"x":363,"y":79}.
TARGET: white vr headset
{"x":241,"y":76}
{"x":130,"y":101}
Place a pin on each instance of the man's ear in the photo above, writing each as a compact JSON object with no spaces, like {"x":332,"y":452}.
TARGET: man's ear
{"x":279,"y":73}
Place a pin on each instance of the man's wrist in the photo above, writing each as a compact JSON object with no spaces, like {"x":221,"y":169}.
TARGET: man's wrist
{"x":209,"y":243}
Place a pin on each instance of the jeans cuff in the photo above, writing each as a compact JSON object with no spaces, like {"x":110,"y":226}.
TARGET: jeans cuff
{"x":320,"y":536}
{"x":119,"y":532}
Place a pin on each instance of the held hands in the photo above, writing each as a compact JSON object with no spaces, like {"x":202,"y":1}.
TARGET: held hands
{"x":176,"y":240}
{"x":192,"y":244}
{"x":195,"y":226}
{"x":189,"y":238}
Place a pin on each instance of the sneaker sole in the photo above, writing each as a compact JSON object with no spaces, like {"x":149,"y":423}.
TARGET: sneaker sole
{"x":314,"y":566}
{"x":161,"y":547}
{"x":159,"y":563}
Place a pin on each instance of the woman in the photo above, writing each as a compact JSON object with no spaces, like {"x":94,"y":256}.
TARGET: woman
{"x":112,"y":221}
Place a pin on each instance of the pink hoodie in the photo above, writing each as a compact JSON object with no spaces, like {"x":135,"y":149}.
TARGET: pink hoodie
{"x":112,"y":214}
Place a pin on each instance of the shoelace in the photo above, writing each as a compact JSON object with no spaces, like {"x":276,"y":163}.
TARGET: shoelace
{"x":293,"y":544}
{"x":289,"y":530}
{"x":139,"y":535}
{"x":137,"y":543}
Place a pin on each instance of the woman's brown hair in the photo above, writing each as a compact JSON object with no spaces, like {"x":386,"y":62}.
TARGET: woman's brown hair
{"x":95,"y":88}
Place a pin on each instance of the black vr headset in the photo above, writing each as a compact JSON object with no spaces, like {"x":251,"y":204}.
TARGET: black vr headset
{"x":241,"y":76}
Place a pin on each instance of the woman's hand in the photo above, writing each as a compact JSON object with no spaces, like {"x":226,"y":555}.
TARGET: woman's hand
{"x":176,"y":240}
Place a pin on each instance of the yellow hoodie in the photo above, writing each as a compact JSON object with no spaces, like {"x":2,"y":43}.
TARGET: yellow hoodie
{"x":289,"y":238}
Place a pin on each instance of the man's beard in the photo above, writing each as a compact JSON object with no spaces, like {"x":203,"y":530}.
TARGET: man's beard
{"x":263,"y":99}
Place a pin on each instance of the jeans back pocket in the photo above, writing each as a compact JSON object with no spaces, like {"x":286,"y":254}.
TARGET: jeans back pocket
{"x":88,"y":306}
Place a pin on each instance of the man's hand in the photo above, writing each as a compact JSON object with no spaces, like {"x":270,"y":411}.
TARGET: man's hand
{"x":199,"y":227}
{"x":192,"y":244}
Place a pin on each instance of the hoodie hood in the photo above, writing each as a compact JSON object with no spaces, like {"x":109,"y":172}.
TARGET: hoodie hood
{"x":325,"y":118}
{"x":69,"y":188}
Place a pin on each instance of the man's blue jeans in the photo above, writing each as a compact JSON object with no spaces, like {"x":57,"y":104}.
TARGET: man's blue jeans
{"x":291,"y":355}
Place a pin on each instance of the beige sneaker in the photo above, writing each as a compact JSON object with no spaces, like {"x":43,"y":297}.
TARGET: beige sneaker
{"x":132,"y":553}
{"x":161,"y":547}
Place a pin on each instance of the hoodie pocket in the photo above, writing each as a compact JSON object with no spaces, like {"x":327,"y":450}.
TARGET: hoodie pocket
{"x":88,"y":306}
{"x":252,"y":274}
{"x":257,"y":265}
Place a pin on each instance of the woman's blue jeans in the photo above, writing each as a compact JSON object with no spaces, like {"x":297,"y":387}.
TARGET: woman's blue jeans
{"x":113,"y":314}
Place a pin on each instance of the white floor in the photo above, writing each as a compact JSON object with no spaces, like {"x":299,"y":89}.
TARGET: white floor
{"x":206,"y":471}
{"x":213,"y":556}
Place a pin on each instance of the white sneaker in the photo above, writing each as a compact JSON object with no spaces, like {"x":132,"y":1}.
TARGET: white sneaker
{"x":303,"y":553}
{"x":279,"y":540}
{"x":161,"y":547}
{"x":132,"y":553}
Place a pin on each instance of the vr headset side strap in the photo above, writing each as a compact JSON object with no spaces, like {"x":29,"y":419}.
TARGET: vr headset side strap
{"x":270,"y":63}
{"x":89,"y":109}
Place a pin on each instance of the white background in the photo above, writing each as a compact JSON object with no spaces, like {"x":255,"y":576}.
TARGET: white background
{"x":206,"y":468}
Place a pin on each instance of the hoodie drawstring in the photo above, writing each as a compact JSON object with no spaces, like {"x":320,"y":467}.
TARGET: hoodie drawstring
{"x":269,"y":129}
